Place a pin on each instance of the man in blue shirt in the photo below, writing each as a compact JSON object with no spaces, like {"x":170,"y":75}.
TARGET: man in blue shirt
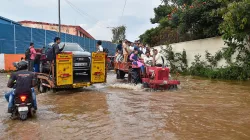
{"x":136,"y":47}
{"x":119,"y":47}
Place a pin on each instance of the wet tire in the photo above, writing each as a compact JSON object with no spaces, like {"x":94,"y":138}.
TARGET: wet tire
{"x":172,"y":87}
{"x":32,"y":112}
{"x":145,"y":85}
{"x":129,"y":77}
{"x":135,"y":78}
{"x":54,"y":90}
{"x":117,"y":74}
{"x":23,"y":117}
{"x":120,"y":74}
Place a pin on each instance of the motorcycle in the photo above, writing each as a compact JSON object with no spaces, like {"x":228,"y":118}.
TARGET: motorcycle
{"x":23,"y":104}
{"x":23,"y":107}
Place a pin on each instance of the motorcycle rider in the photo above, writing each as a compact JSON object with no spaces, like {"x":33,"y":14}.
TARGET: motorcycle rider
{"x":21,"y":81}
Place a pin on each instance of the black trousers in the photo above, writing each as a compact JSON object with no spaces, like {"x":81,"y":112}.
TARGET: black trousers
{"x":31,"y":65}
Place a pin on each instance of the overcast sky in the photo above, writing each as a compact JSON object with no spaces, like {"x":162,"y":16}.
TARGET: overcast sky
{"x":95,"y":15}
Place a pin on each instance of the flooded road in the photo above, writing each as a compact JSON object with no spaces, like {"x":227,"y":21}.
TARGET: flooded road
{"x":200,"y":110}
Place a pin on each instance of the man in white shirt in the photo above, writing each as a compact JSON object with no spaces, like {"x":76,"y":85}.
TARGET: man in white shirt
{"x":158,"y":59}
{"x":131,"y":47}
{"x":99,"y":47}
{"x":148,"y":60}
{"x":144,"y":49}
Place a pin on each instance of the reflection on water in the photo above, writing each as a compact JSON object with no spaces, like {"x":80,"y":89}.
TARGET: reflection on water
{"x":202,"y":109}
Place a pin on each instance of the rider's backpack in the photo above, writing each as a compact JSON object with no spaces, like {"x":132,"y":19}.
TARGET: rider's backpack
{"x":27,"y":54}
{"x":50,"y":54}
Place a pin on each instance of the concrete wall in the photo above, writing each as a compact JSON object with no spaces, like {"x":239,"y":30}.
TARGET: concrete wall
{"x":2,"y":66}
{"x":6,"y":61}
{"x":212,"y":45}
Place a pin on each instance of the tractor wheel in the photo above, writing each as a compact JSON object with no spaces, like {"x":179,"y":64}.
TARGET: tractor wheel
{"x":41,"y":88}
{"x":172,"y":87}
{"x":135,"y":79}
{"x":129,"y":77}
{"x":120,"y":74}
{"x":145,"y":85}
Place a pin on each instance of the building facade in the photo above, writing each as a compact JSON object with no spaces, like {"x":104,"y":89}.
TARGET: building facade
{"x":68,"y":29}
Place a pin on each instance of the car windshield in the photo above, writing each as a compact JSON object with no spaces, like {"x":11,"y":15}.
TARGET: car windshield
{"x":71,"y":47}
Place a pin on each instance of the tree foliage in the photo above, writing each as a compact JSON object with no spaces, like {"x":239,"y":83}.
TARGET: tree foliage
{"x":183,"y":20}
{"x":119,"y":33}
{"x":236,"y":20}
{"x":187,"y":20}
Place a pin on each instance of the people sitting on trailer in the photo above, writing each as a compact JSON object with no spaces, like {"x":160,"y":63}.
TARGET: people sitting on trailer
{"x":143,"y":48}
{"x":125,"y":51}
{"x":137,"y":61}
{"x":131,"y":46}
{"x":148,"y":49}
{"x":148,"y":60}
{"x":158,"y":59}
{"x":136,"y":46}
{"x":119,"y":55}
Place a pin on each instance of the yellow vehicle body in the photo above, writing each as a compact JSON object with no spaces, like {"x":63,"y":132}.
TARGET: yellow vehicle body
{"x":64,"y":70}
{"x":98,"y":68}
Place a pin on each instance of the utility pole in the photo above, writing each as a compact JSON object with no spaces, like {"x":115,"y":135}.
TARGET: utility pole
{"x":59,"y":18}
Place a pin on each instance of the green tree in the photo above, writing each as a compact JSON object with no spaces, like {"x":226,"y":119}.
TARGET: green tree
{"x":236,"y":20}
{"x":188,"y":20}
{"x":119,"y":33}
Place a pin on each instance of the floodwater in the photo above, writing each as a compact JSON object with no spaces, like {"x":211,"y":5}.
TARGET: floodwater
{"x":200,"y":110}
